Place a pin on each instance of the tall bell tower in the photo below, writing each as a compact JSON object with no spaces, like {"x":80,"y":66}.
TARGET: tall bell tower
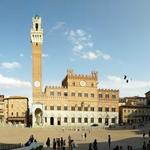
{"x":36,"y":40}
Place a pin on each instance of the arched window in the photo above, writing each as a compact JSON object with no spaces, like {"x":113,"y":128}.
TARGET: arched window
{"x":36,"y":26}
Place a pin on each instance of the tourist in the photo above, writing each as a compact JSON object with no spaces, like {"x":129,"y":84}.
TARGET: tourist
{"x":143,"y":135}
{"x":148,"y":145}
{"x":73,"y":145}
{"x":90,"y":146}
{"x":64,"y":144}
{"x":85,"y":135}
{"x":69,"y":141}
{"x":54,"y":143}
{"x":109,"y":141}
{"x":95,"y":144}
{"x":48,"y":142}
{"x":144,"y":145}
{"x":31,"y":139}
{"x":61,"y":141}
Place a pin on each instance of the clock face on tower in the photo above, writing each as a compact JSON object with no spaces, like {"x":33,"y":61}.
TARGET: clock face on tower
{"x":82,"y":83}
{"x":36,"y":83}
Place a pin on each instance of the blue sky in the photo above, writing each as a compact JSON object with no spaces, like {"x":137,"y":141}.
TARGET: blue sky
{"x":111,"y":37}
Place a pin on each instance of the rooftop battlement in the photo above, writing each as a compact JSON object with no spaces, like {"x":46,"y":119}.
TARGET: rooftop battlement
{"x":108,"y":90}
{"x":54,"y":87}
{"x":71,"y":74}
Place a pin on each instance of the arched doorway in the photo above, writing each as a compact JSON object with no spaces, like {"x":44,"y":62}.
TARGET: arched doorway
{"x":59,"y":121}
{"x":38,"y":116}
{"x":51,"y":120}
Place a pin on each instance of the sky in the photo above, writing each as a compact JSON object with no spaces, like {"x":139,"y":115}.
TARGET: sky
{"x":108,"y":36}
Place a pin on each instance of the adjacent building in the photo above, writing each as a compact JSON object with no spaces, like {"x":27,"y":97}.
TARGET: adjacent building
{"x":16,"y":110}
{"x":134,"y":110}
{"x":76,"y":102}
{"x":1,"y":108}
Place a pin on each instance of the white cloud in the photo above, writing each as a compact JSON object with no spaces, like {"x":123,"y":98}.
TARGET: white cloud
{"x":21,"y":55}
{"x":57,"y":26}
{"x":44,"y":55}
{"x":9,"y":82}
{"x":80,"y":39}
{"x":114,"y":78}
{"x":92,"y":55}
{"x":132,"y":88}
{"x":89,"y":55}
{"x":10,"y":65}
{"x":83,"y":45}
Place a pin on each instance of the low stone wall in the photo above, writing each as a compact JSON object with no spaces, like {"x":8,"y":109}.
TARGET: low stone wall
{"x":33,"y":145}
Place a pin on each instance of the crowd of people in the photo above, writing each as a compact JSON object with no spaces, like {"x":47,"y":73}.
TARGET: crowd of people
{"x":60,"y":143}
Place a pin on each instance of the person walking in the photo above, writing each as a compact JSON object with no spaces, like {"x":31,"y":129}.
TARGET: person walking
{"x":85,"y":135}
{"x":95,"y":144}
{"x":54,"y":143}
{"x":48,"y":142}
{"x":109,"y":141}
{"x":144,"y":145}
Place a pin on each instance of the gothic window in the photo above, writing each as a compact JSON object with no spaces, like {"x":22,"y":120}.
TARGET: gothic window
{"x":92,"y":95}
{"x":17,"y":114}
{"x":100,"y":96}
{"x":99,"y":120}
{"x":51,"y":107}
{"x":72,"y":94}
{"x":100,"y":109}
{"x":73,"y":120}
{"x":107,"y":109}
{"x":65,"y":94}
{"x":85,"y":108}
{"x":58,"y":107}
{"x":92,"y":108}
{"x":79,"y":120}
{"x":107,"y":96}
{"x":51,"y":93}
{"x":113,"y":96}
{"x":80,"y":94}
{"x":45,"y":119}
{"x":45,"y":107}
{"x":85,"y":120}
{"x":79,"y":108}
{"x":65,"y":120}
{"x":113,"y":109}
{"x":92,"y":120}
{"x":58,"y":93}
{"x":113,"y":120}
{"x":85,"y":94}
{"x":73,"y":108}
{"x":65,"y":108}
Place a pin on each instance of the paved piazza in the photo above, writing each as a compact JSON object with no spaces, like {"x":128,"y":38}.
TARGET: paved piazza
{"x":119,"y":136}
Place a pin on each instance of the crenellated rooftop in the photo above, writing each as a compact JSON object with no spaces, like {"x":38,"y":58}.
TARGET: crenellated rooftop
{"x":54,"y":87}
{"x":108,"y":90}
{"x":71,"y":74}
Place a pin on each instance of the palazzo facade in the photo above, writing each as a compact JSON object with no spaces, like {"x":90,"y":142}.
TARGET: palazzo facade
{"x":77,"y":102}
